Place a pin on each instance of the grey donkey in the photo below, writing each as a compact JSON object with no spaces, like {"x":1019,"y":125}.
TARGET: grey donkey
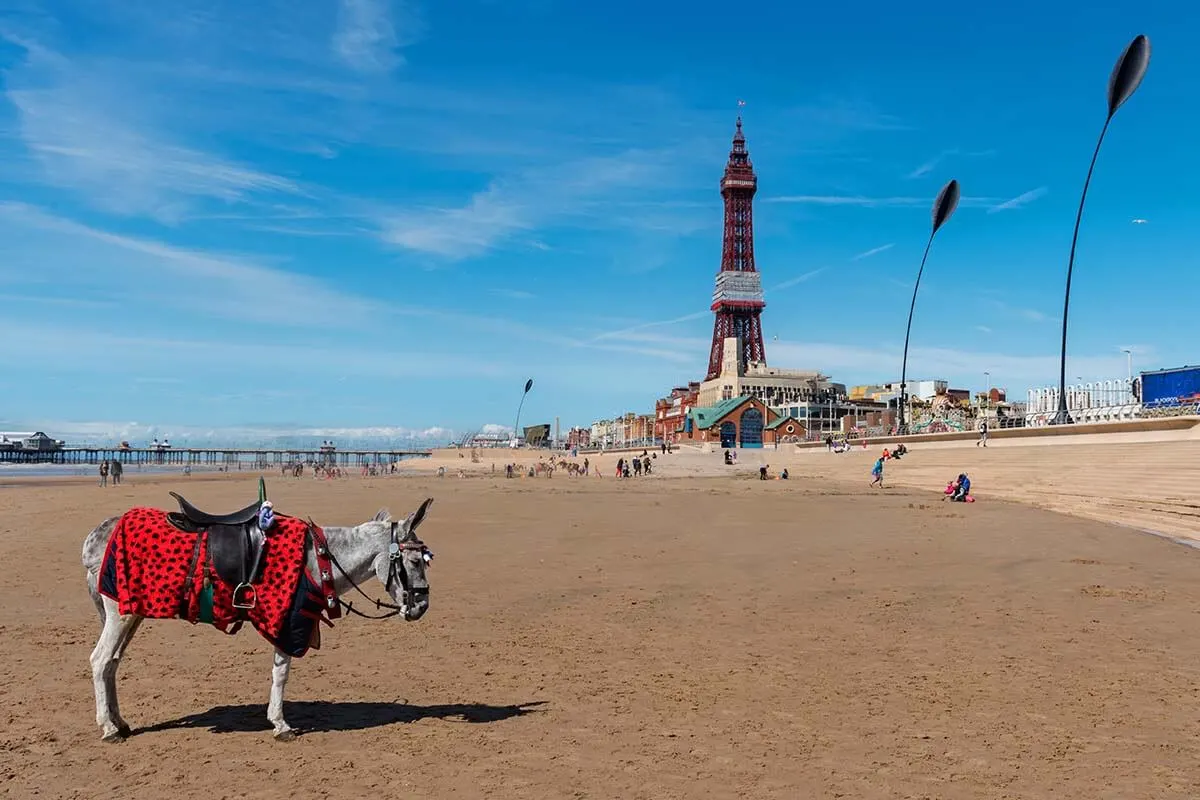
{"x":378,"y":547}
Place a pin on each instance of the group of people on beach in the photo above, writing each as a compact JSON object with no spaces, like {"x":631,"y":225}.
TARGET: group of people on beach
{"x":957,"y":490}
{"x":888,"y":455}
{"x":636,"y":466}
{"x":113,"y":468}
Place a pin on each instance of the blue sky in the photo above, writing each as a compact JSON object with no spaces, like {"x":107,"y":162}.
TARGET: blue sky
{"x":387,"y":215}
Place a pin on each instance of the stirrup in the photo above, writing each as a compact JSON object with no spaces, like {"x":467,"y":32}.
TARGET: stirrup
{"x":244,"y":597}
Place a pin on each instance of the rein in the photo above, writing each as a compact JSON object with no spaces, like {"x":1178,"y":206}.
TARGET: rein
{"x":396,"y":573}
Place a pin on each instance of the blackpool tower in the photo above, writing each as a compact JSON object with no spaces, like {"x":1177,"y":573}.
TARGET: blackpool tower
{"x":738,"y":297}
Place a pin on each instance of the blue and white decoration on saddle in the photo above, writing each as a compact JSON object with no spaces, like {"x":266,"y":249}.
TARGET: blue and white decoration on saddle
{"x":266,"y":517}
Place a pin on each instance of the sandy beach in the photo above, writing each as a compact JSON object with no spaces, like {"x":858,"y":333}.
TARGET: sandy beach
{"x":669,"y":637}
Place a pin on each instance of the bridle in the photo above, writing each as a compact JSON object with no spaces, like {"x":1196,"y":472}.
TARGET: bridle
{"x":396,"y":574}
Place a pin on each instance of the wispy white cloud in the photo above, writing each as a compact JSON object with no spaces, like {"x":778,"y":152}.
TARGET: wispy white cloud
{"x":873,"y":251}
{"x":210,"y":359}
{"x":105,"y":143}
{"x":1023,"y":199}
{"x":140,"y":434}
{"x":368,"y":37}
{"x":929,"y":166}
{"x":864,"y":201}
{"x":1031,"y":314}
{"x":797,"y":280}
{"x":860,"y":364}
{"x":244,"y":295}
{"x":524,"y":202}
{"x":1017,"y":372}
{"x":144,"y":271}
{"x":631,"y":330}
{"x":935,"y":162}
{"x":983,"y":329}
{"x":514,"y":294}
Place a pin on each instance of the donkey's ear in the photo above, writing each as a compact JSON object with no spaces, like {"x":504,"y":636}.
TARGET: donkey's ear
{"x":415,"y":518}
{"x":382,"y":515}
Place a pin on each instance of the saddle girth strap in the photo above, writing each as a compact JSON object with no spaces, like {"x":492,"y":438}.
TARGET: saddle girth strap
{"x":185,"y":594}
{"x":333,"y":608}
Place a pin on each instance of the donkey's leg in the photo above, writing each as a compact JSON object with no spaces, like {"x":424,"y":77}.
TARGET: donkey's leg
{"x":101,"y":656}
{"x":280,"y":668}
{"x":114,"y":637}
{"x":129,"y":626}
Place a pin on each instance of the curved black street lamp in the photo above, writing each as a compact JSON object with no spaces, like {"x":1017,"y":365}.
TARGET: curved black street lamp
{"x":517,"y":424}
{"x":943,"y":207}
{"x":1125,"y":79}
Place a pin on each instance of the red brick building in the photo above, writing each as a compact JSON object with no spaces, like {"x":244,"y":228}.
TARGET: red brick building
{"x":671,"y":411}
{"x":579,"y":437}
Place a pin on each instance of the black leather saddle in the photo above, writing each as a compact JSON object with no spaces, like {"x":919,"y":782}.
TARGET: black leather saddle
{"x":204,"y":519}
{"x":235,"y":545}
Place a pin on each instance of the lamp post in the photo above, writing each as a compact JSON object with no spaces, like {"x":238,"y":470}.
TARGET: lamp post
{"x":987,"y":389}
{"x":517,"y":424}
{"x":1128,"y":364}
{"x":943,"y":207}
{"x":1122,"y":83}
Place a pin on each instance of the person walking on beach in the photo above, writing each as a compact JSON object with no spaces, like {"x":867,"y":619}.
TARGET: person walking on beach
{"x":104,"y":473}
{"x":877,"y":473}
{"x":118,"y":469}
{"x":982,"y":434}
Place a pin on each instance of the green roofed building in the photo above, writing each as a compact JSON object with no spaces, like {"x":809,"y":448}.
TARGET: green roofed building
{"x":736,"y":422}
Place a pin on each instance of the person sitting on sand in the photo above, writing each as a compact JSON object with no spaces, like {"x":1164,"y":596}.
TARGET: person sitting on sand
{"x":962,"y":488}
{"x":877,"y":473}
{"x":783,"y":476}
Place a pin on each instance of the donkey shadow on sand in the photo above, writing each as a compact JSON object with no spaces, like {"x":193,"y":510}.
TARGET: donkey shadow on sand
{"x":324,"y":717}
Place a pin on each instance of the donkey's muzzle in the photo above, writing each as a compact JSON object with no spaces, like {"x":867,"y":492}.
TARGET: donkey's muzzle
{"x":416,"y":604}
{"x":416,"y":611}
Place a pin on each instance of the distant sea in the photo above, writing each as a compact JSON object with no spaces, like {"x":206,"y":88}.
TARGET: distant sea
{"x":76,"y":470}
{"x":131,"y":470}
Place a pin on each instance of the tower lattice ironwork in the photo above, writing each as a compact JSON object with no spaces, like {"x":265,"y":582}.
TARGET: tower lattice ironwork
{"x":738,"y":297}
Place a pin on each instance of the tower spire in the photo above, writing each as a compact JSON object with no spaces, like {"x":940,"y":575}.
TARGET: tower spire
{"x":738,"y":297}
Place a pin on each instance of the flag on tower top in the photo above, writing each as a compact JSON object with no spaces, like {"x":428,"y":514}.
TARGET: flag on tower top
{"x":741,"y":102}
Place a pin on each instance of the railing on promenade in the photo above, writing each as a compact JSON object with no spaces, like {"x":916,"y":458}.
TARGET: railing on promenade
{"x":622,"y":444}
{"x":1097,"y":401}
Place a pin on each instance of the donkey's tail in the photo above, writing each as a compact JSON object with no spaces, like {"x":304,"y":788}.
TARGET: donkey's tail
{"x":94,"y":547}
{"x":93,"y":580}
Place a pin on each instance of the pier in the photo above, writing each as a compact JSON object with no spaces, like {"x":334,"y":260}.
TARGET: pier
{"x":211,"y":457}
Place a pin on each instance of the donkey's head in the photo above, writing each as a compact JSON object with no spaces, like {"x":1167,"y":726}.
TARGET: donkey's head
{"x":403,"y":568}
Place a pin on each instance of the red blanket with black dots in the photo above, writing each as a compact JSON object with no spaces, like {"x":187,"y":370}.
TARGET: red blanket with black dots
{"x":149,"y":560}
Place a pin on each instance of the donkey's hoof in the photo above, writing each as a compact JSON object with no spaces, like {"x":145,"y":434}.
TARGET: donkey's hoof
{"x":285,"y":735}
{"x":114,"y":737}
